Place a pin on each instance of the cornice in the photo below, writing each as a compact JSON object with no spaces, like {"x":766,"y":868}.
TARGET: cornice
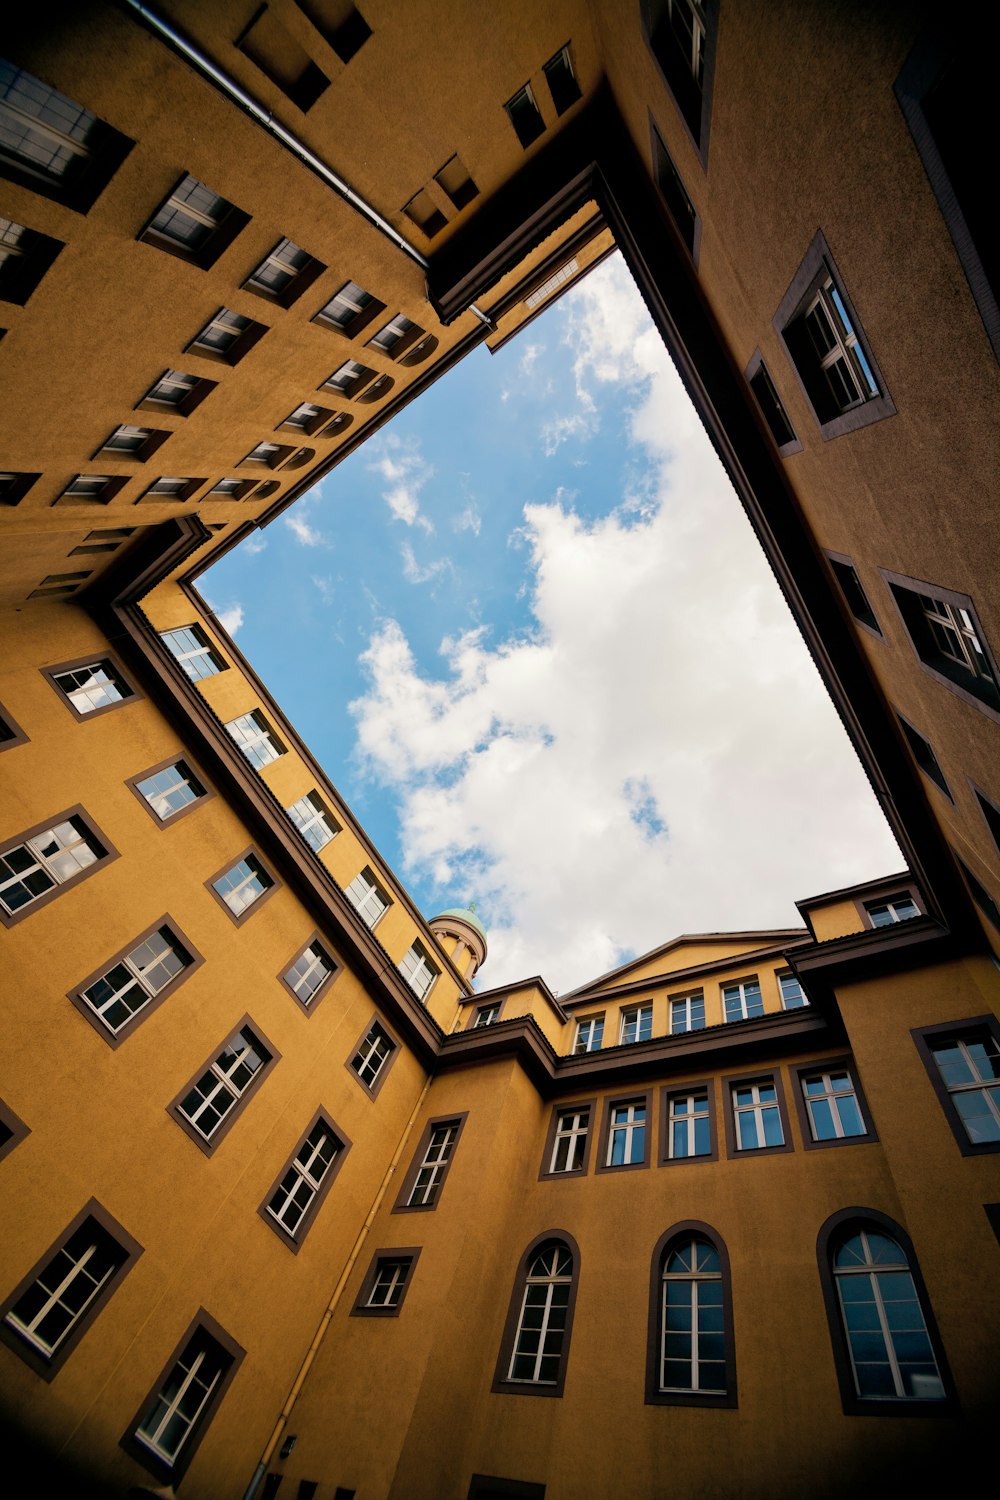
{"x":611,"y":992}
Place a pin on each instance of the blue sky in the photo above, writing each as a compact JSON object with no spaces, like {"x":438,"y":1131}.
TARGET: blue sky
{"x":529,"y":634}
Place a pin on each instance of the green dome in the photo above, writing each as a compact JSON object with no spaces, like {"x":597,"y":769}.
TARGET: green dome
{"x":466,"y":916}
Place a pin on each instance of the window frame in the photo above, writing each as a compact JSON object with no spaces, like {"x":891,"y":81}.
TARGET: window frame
{"x":294,"y":1240}
{"x":863,"y":905}
{"x":842,"y":1063}
{"x":574,"y":1107}
{"x":671,"y":1091}
{"x":731,"y":1082}
{"x":636,"y":1010}
{"x":82,"y":188}
{"x":49,"y":1366}
{"x":922,"y":1036}
{"x":319,"y":994}
{"x":301,"y":280}
{"x":142,"y":453}
{"x":266,"y":736}
{"x":502,"y":1384}
{"x":172,"y":1473}
{"x":15,"y":1126}
{"x":235,"y":351}
{"x":616,"y":1101}
{"x":209,"y":648}
{"x":654,"y":1395}
{"x":37,"y":254}
{"x":673,"y":193}
{"x":783,"y":974}
{"x":374,"y":1089}
{"x":685,"y":1000}
{"x":840,"y":564}
{"x":181,"y":759}
{"x":650,"y":23}
{"x":133,"y":695}
{"x":474,"y":1023}
{"x":852,"y":1404}
{"x":591,"y":1021}
{"x":988,"y":704}
{"x":387,"y":1256}
{"x":208,"y":1145}
{"x":424,"y":958}
{"x":356,"y":324}
{"x":91,"y":832}
{"x":188,"y":403}
{"x":989,"y":811}
{"x":220,"y":237}
{"x":111,"y":485}
{"x":258,"y":901}
{"x":403,"y":1204}
{"x":913,"y":738}
{"x":741,"y":984}
{"x":758,"y":369}
{"x":368,"y":874}
{"x":114,"y":1039}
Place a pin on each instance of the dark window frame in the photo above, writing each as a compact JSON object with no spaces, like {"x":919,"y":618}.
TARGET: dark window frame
{"x":921,"y":1038}
{"x":237,"y":350}
{"x":987,"y":700}
{"x":575,"y":1106}
{"x":180,"y":759}
{"x":388,"y":1255}
{"x":654,"y":1396}
{"x":730,"y":1082}
{"x":492,"y":1487}
{"x":104,"y":155}
{"x":842,"y":1063}
{"x":980,"y":895}
{"x":891,"y":890}
{"x":294,"y":1241}
{"x":673,"y":1090}
{"x":154,"y":441}
{"x":840,"y":564}
{"x":987,"y":805}
{"x":402,"y":1204}
{"x":258,"y":902}
{"x":15,"y":734}
{"x":204,"y":256}
{"x":209,"y":1145}
{"x":91,"y":831}
{"x":301,"y":281}
{"x":40,"y":254}
{"x":113,"y":485}
{"x":191,"y":488}
{"x":634,"y":1096}
{"x":17,"y":1130}
{"x":561,"y":63}
{"x":360,"y":321}
{"x":373,"y":1091}
{"x":652,"y":15}
{"x":114,"y":1039}
{"x":756,"y":369}
{"x":22,"y":484}
{"x":921,"y":749}
{"x":183,"y":408}
{"x":319,"y":994}
{"x":501,"y":1384}
{"x":499,"y":1005}
{"x":676,"y":189}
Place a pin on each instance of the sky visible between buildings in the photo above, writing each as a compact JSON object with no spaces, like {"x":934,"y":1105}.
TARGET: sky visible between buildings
{"x":529,"y":634}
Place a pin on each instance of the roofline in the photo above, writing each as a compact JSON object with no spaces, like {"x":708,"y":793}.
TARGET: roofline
{"x":686,"y":937}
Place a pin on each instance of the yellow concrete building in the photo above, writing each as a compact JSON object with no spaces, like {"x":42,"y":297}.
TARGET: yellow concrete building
{"x":289,"y":1208}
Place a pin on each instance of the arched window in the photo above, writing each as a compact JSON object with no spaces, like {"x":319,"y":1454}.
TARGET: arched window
{"x":536,"y":1337}
{"x":885,"y":1342}
{"x":691,"y":1360}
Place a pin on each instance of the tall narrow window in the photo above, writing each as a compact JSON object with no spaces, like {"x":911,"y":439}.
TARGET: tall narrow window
{"x":242,"y":885}
{"x":690,"y":1360}
{"x":626,"y":1134}
{"x":295,"y":1199}
{"x":589,"y":1034}
{"x":771,"y":407}
{"x":431,"y":1162}
{"x":175,"y":1415}
{"x":313,"y":821}
{"x":687,"y":1013}
{"x":535,"y":1345}
{"x":368,"y":898}
{"x":832,"y":1106}
{"x":418,"y":970}
{"x":963,"y":1061}
{"x":190,"y":647}
{"x":742,"y":1001}
{"x":386,"y":1284}
{"x":792,"y":997}
{"x":675,"y":196}
{"x":525,"y":116}
{"x":569,"y":1143}
{"x":561,"y":79}
{"x":636,"y":1024}
{"x":756,"y":1120}
{"x":309,"y":973}
{"x":210,"y":1103}
{"x":854,"y":595}
{"x":372,"y":1057}
{"x":689,"y":1131}
{"x":682,"y":38}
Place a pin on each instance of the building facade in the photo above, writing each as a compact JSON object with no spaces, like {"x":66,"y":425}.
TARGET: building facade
{"x":289,"y":1207}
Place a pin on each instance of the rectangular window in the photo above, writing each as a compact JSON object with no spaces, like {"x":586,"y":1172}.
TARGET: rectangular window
{"x":139,"y":443}
{"x":47,"y":859}
{"x":169,"y":790}
{"x":50,"y":1311}
{"x":424,"y":212}
{"x":487,"y":1015}
{"x":53,"y":145}
{"x":569,"y":1144}
{"x":945,"y":633}
{"x":757,"y":1115}
{"x":14,"y":487}
{"x":296,"y":1197}
{"x":689,"y":1125}
{"x":271,"y":455}
{"x":561,"y":80}
{"x":626,"y":1144}
{"x":191,"y":648}
{"x":454,"y":180}
{"x":98,"y":489}
{"x":242,"y":885}
{"x":349,"y":378}
{"x":589,"y":1035}
{"x":351,"y":310}
{"x":171,"y":487}
{"x":306,"y":418}
{"x":25,"y":256}
{"x":963,"y":1063}
{"x":525,"y":116}
{"x":923,"y":753}
{"x":175,"y":1415}
{"x":687,"y":1013}
{"x":682,"y":39}
{"x":310,"y":972}
{"x":194,"y":223}
{"x":899,"y":907}
{"x":418,"y":971}
{"x":227,"y":337}
{"x":313,"y":820}
{"x":373,"y":1057}
{"x":636,"y":1024}
{"x":90,"y":687}
{"x":368,"y":898}
{"x":832,"y":1105}
{"x":284,"y":274}
{"x":742,"y":1001}
{"x":397,"y":336}
{"x":176,"y":391}
{"x":208,"y":1106}
{"x":431,"y":1162}
{"x":386,"y":1284}
{"x":675,"y":196}
{"x":792,"y":997}
{"x":854,"y":595}
{"x":771,"y":406}
{"x":231,"y":489}
{"x":255,"y":738}
{"x":130,"y":986}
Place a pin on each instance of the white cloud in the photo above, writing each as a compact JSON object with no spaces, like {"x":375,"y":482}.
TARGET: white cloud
{"x":658,"y":754}
{"x":254,"y":544}
{"x":406,"y":473}
{"x":325,"y":586}
{"x":230,"y":618}
{"x":415,"y":572}
{"x":468,"y":520}
{"x":529,"y":357}
{"x":298,"y":522}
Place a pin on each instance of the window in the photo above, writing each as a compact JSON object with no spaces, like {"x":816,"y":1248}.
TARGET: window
{"x":690,"y":1359}
{"x":742,"y":1001}
{"x":535,"y":1345}
{"x":14,"y":487}
{"x":885,"y":1346}
{"x":589,"y":1034}
{"x":963,"y":1064}
{"x":368,"y":898}
{"x":923,"y":753}
{"x":242,"y":886}
{"x":899,"y":907}
{"x":349,"y":378}
{"x":170,"y":487}
{"x":833,"y":1111}
{"x":169,"y":789}
{"x":454,"y":180}
{"x":624,"y":1135}
{"x":825,"y":343}
{"x":792,"y":997}
{"x":386,"y":1283}
{"x":11,"y":733}
{"x":342,"y":25}
{"x":636,"y":1024}
{"x":373,"y":1057}
{"x":424,"y":1182}
{"x":567,"y":1149}
{"x":397,"y":335}
{"x":288,"y":65}
{"x":99,"y":488}
{"x":194,"y":223}
{"x":178,"y":392}
{"x":979,"y":893}
{"x":52,"y":145}
{"x":945,"y":633}
{"x":991,"y":814}
{"x":854,"y":595}
{"x":256,"y":739}
{"x":418,"y":971}
{"x":207,"y":1107}
{"x":227,"y":337}
{"x":139,"y":443}
{"x":295,"y":1199}
{"x":90,"y":687}
{"x":687,"y":1013}
{"x":231,"y":489}
{"x":306,"y":418}
{"x":130,"y":986}
{"x":285,"y":274}
{"x":688,"y":1124}
{"x":486,"y":1015}
{"x":190,"y":646}
{"x":756,"y":1120}
{"x":351,"y":310}
{"x":561,"y":80}
{"x":675,"y":195}
{"x":424,"y":212}
{"x":271,"y":455}
{"x":310,"y":972}
{"x":681,"y":35}
{"x":174,"y":1417}
{"x":25,"y":256}
{"x":313,"y":821}
{"x":50,"y":1311}
{"x":551,"y":284}
{"x":525,"y":116}
{"x":771,"y":407}
{"x":12,"y":1130}
{"x":38,"y":863}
